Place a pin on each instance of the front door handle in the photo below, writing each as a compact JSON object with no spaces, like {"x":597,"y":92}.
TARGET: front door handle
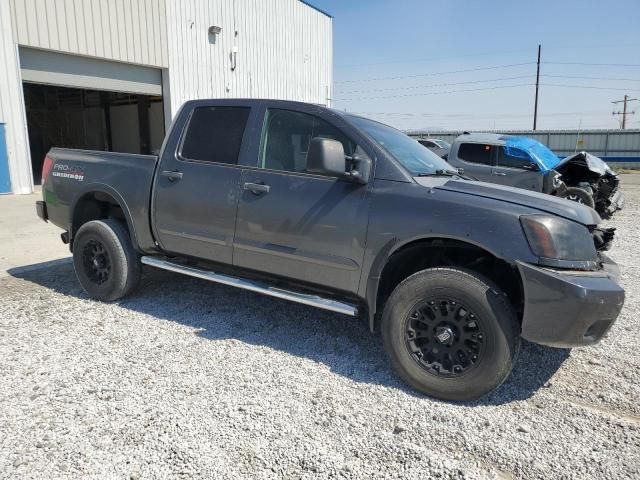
{"x":257,"y":188}
{"x":500,"y":174}
{"x":172,"y":175}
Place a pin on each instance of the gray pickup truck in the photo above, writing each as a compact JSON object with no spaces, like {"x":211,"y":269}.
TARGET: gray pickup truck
{"x":526,"y":163}
{"x":335,"y":211}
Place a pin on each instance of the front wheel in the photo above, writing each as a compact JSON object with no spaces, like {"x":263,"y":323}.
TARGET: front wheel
{"x":450,"y":333}
{"x":106,"y":264}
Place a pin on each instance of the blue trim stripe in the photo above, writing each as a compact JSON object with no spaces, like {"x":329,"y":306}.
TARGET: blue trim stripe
{"x":5,"y":181}
{"x":621,"y":159}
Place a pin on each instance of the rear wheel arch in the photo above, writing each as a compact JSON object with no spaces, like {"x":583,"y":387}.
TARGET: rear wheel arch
{"x":100,"y":203}
{"x":408,"y":258}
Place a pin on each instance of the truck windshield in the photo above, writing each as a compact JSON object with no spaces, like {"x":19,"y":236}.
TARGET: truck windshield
{"x":418,"y":160}
{"x":543,"y":156}
{"x":442,"y":143}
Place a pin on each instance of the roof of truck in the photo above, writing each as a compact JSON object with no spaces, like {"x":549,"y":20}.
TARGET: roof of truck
{"x":493,"y":138}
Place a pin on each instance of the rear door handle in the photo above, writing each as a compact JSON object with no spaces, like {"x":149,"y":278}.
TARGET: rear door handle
{"x":257,"y":188}
{"x":172,"y":175}
{"x":500,"y":174}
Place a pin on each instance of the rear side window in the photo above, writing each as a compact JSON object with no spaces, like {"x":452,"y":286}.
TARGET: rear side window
{"x":475,"y":153}
{"x":214,"y":134}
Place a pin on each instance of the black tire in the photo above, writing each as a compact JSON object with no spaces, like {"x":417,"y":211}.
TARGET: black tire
{"x":487,"y":312}
{"x":579,"y":195}
{"x":106,"y":264}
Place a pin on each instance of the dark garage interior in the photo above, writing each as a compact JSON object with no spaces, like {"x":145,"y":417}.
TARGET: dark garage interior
{"x":90,"y":119}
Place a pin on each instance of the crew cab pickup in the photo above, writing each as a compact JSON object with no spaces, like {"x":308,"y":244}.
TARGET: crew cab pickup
{"x":526,"y":163}
{"x":339,"y":212}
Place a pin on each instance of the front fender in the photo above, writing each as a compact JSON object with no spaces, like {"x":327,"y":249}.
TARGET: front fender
{"x":405,"y":213}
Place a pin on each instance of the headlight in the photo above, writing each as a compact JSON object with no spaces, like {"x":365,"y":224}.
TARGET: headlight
{"x":556,"y":238}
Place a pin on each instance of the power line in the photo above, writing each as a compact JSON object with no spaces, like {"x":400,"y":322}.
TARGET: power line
{"x":624,"y":112}
{"x":593,"y":78}
{"x":495,"y":87}
{"x":483,"y":115}
{"x":592,"y":87}
{"x":436,"y":93}
{"x":431,"y":59}
{"x":500,"y":79}
{"x":485,"y":54}
{"x":413,"y":87}
{"x":493,"y":67}
{"x":595,"y":64}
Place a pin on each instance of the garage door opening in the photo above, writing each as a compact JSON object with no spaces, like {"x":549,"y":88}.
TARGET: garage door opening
{"x":90,"y":119}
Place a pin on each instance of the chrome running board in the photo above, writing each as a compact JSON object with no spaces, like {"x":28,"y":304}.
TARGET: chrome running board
{"x":254,"y":286}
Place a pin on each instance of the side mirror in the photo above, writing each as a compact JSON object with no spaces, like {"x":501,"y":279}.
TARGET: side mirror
{"x":326,"y":157}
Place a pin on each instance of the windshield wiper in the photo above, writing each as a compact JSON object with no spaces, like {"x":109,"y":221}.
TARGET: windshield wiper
{"x":444,"y":173}
{"x":440,"y":173}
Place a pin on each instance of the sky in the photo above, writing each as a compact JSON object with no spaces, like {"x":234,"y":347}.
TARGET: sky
{"x":471,"y":65}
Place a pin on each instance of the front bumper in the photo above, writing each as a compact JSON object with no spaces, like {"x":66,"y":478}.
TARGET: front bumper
{"x":41,"y":210}
{"x":569,"y":308}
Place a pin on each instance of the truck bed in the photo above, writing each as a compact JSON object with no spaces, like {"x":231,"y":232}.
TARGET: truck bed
{"x":125,"y":177}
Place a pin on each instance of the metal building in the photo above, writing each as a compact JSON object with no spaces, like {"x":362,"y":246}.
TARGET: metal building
{"x":110,"y":74}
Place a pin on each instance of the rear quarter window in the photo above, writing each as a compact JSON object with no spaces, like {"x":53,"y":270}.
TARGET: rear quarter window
{"x":479,"y":153}
{"x":214,"y":134}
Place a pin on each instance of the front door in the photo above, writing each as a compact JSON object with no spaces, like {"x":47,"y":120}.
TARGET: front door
{"x":477,"y":160}
{"x":197,"y":186}
{"x":515,"y":168}
{"x":298,"y":225}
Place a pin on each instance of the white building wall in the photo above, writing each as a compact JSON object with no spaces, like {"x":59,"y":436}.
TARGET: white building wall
{"x":12,"y":106}
{"x":284,"y":50}
{"x":132,"y":31}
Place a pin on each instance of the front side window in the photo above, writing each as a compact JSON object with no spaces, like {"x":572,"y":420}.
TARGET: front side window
{"x":286,"y":136}
{"x":214,"y":134}
{"x":514,"y":158}
{"x":475,"y":153}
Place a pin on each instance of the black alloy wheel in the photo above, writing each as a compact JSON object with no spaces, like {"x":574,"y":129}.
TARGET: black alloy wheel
{"x":450,"y":333}
{"x":445,"y":337}
{"x":106,"y":263}
{"x":96,"y":261}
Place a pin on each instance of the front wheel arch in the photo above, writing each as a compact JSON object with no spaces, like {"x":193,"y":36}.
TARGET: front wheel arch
{"x":422,"y":253}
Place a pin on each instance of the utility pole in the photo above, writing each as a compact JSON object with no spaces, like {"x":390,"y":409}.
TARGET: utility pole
{"x":535,"y":108}
{"x":624,"y":112}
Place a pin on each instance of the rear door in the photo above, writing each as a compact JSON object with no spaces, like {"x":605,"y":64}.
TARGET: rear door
{"x":295,"y":224}
{"x":197,"y":183}
{"x":476,"y":159}
{"x":515,"y":168}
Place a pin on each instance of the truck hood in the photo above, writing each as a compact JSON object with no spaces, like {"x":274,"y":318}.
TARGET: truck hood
{"x":593,"y":163}
{"x":538,"y":201}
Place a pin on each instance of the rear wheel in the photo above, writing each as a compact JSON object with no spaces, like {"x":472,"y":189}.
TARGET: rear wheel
{"x":450,"y":333}
{"x":106,"y":264}
{"x":579,"y":195}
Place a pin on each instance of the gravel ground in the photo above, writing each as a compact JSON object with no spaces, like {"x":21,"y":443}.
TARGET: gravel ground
{"x":190,"y":379}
